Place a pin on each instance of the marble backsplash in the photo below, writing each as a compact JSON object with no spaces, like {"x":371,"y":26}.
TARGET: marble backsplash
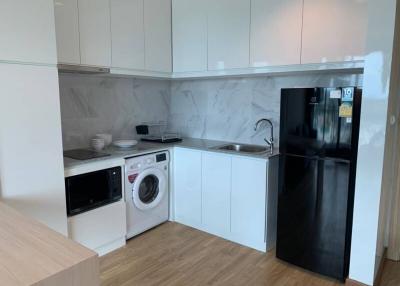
{"x":97,"y":104}
{"x":228,"y":108}
{"x":220,"y":109}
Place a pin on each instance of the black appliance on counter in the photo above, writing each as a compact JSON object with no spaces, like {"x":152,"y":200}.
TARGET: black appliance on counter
{"x":92,"y":190}
{"x":158,"y":137}
{"x":319,"y":132}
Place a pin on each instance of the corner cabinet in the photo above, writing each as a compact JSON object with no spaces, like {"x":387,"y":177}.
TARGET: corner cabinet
{"x":141,"y":37}
{"x":157,"y":30}
{"x":334,"y":31}
{"x":189,"y":25}
{"x":230,"y":196}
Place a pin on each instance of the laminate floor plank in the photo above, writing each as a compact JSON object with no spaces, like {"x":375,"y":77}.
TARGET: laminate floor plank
{"x":176,"y":255}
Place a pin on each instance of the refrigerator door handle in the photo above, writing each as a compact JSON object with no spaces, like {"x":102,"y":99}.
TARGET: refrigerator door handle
{"x":338,"y":160}
{"x":313,"y":157}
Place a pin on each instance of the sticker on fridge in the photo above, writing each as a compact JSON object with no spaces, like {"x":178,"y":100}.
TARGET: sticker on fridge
{"x":346,"y":110}
{"x":348,"y":94}
{"x":335,"y":94}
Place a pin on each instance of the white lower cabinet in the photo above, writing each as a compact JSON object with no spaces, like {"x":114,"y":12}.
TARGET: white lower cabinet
{"x":227,"y":195}
{"x":102,"y":230}
{"x":187,"y":186}
{"x":216,"y":190}
{"x":248,"y":201}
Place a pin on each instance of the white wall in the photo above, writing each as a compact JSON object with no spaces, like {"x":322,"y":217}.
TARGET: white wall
{"x":31,"y":163}
{"x":365,"y":255}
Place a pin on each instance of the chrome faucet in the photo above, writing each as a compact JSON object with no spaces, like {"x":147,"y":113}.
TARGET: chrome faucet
{"x":270,"y":141}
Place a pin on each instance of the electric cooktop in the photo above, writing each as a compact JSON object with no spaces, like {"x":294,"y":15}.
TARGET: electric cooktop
{"x":84,"y":154}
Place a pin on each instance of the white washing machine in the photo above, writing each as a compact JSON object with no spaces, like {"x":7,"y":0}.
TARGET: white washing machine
{"x":146,"y":192}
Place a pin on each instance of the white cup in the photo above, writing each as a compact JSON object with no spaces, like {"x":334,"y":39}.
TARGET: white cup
{"x":107,"y":138}
{"x":98,"y":144}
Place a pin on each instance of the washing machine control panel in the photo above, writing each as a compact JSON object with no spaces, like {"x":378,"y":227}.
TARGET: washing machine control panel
{"x":150,"y":160}
{"x":146,"y":161}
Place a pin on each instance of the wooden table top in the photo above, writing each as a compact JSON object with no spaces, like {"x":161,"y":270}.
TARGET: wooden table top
{"x":31,"y":252}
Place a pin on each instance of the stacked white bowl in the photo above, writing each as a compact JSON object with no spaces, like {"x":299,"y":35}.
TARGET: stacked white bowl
{"x":107,"y":138}
{"x":98,"y":144}
{"x":100,"y":141}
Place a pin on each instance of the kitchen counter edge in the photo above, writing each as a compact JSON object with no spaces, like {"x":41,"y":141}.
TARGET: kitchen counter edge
{"x":117,"y":156}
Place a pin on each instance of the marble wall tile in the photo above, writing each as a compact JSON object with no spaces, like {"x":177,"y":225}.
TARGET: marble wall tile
{"x":227,"y":108}
{"x":220,"y":109}
{"x":96,"y":104}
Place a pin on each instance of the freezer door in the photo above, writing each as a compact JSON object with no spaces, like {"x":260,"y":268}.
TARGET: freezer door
{"x":302,"y":121}
{"x":341,"y":118}
{"x":312,"y":214}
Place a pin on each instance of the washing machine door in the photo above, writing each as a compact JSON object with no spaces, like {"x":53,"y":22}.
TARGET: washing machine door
{"x":149,"y":188}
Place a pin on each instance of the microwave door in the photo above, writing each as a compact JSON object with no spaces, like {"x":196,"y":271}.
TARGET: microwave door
{"x":89,"y":191}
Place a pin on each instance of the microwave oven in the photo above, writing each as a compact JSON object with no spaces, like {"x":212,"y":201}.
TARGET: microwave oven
{"x":88,"y":191}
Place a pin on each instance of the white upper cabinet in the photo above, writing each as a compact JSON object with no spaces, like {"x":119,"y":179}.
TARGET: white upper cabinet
{"x":27,"y":31}
{"x":334,"y":30}
{"x":127,"y":32}
{"x":189,"y":26}
{"x":157,"y":29}
{"x":205,"y":37}
{"x":95,"y":35}
{"x":228,"y":34}
{"x":275,"y":37}
{"x":67,"y":31}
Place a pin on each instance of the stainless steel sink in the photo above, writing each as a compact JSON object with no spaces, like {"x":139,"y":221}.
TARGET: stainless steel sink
{"x":243,"y":148}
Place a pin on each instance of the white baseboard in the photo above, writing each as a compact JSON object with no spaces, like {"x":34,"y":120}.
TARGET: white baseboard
{"x":109,"y":247}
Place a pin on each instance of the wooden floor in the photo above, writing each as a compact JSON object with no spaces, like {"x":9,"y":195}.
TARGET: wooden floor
{"x":173,"y":254}
{"x":391,"y":274}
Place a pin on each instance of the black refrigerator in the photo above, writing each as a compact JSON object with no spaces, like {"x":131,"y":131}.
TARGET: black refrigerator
{"x":318,"y":145}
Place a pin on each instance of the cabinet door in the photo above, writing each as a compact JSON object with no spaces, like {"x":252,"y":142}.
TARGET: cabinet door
{"x":216,"y":189}
{"x":334,"y":30}
{"x":67,"y":31}
{"x":99,"y":227}
{"x":27,"y":31}
{"x":228,"y":34}
{"x":95,"y":36}
{"x":127,"y":33}
{"x":187,"y":186}
{"x":189,"y":25}
{"x":275,"y":37}
{"x":157,"y":29}
{"x":249,"y":188}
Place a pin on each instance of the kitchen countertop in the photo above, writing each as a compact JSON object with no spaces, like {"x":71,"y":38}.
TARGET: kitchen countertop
{"x":141,"y":148}
{"x":33,"y":254}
